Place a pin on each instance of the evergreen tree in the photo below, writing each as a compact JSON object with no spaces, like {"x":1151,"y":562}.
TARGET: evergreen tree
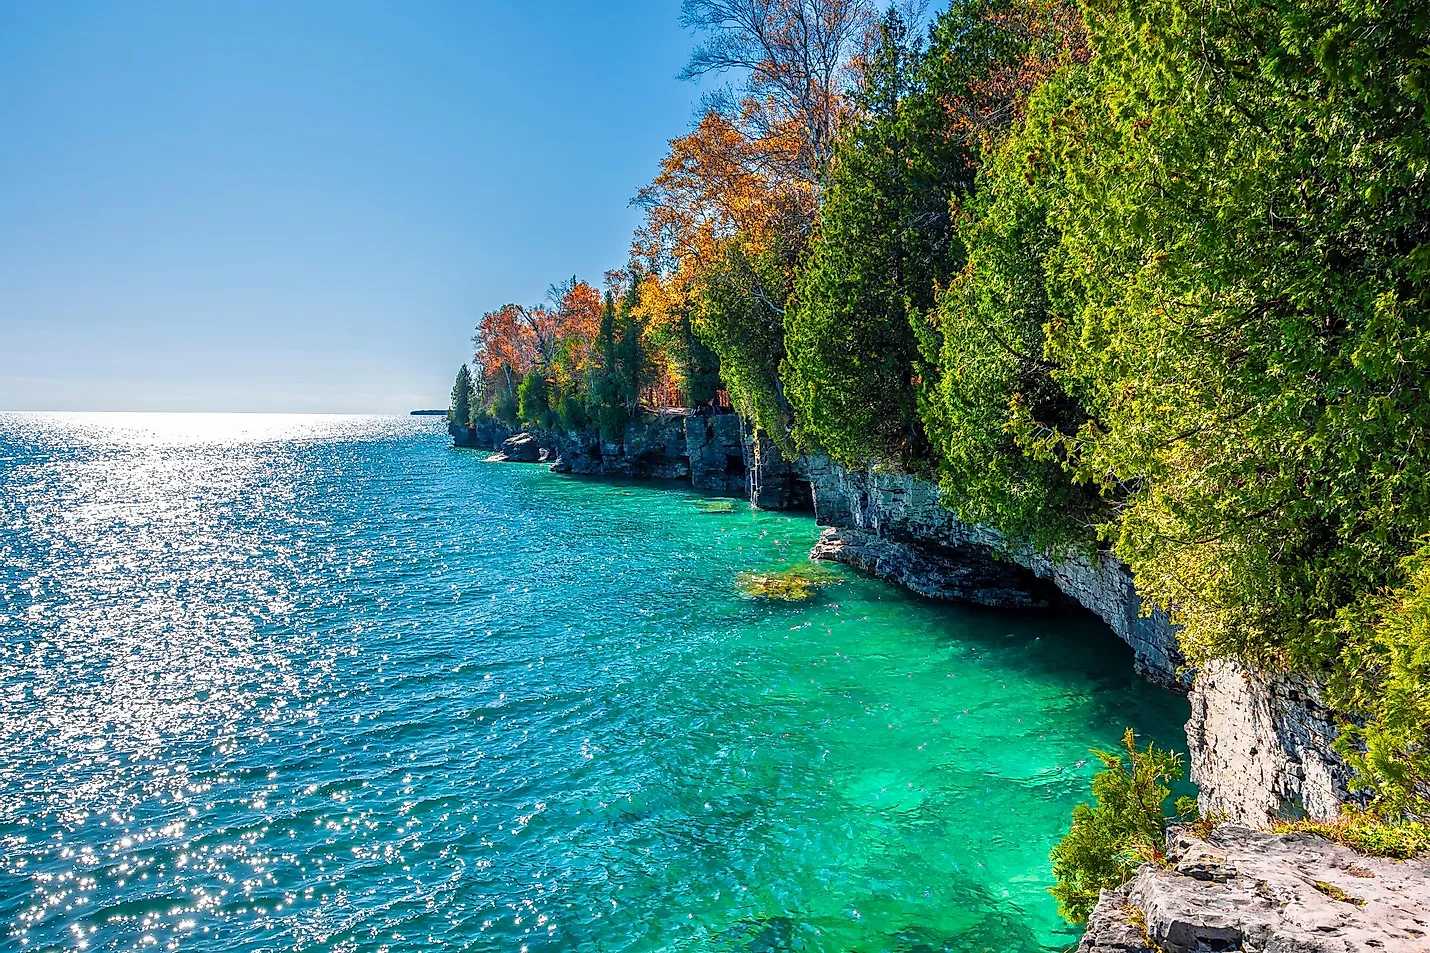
{"x":606,"y":400}
{"x":534,"y":399}
{"x":882,"y":244}
{"x":630,"y":353}
{"x":460,"y":411}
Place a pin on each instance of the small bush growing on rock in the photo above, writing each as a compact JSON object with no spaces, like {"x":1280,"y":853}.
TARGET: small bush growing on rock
{"x":1368,"y":833}
{"x":1126,"y":827}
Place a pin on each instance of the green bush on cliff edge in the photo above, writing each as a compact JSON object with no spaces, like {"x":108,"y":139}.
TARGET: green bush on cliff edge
{"x":1124,"y":829}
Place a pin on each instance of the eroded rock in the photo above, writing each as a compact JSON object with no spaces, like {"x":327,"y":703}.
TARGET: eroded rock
{"x":1268,"y":893}
{"x":966,"y":574}
{"x":522,"y":448}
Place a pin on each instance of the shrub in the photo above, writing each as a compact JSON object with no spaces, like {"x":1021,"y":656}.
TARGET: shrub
{"x":1126,"y":827}
{"x":1368,"y":833}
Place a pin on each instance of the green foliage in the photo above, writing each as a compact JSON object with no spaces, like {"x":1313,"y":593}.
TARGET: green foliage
{"x":1194,"y":316}
{"x":1386,"y":679}
{"x":460,"y":411}
{"x":1125,"y":828}
{"x":1369,"y":834}
{"x":739,"y":314}
{"x":571,"y":413}
{"x":883,"y":241}
{"x":533,"y":397}
{"x":615,"y":383}
{"x":1237,"y":296}
{"x":505,"y":405}
{"x":996,"y":396}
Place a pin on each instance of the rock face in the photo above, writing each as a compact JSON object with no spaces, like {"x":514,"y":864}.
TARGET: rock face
{"x":966,"y":574}
{"x":485,"y":436}
{"x":652,"y":447}
{"x":1246,"y":890}
{"x":776,"y":483}
{"x":716,"y":451}
{"x":522,"y":448}
{"x":903,"y":508}
{"x":1261,"y":747}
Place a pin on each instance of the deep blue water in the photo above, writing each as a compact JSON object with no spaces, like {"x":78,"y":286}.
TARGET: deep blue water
{"x":318,"y":683}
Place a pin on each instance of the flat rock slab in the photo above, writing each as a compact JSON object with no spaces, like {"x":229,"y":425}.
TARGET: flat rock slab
{"x":1251,"y":891}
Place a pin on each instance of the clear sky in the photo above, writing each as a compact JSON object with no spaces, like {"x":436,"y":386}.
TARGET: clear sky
{"x":306,"y":205}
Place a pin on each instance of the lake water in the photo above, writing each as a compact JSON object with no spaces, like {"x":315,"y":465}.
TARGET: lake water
{"x":324,"y":683}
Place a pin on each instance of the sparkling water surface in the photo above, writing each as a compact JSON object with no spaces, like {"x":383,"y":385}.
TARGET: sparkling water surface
{"x":324,"y":683}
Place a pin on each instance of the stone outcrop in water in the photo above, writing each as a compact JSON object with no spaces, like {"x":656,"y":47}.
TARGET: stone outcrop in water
{"x":1240,"y":889}
{"x":522,"y":448}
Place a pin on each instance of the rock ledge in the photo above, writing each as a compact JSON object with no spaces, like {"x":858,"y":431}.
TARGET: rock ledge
{"x":1244,"y":890}
{"x":967,"y":574}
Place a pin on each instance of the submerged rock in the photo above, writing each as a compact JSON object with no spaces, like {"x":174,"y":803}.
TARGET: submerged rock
{"x":792,"y":584}
{"x":1239,"y":889}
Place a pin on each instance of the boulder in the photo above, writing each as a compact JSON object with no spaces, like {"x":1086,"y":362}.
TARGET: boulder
{"x":522,"y":448}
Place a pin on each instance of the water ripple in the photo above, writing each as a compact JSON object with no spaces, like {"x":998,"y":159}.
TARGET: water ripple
{"x":321,"y":683}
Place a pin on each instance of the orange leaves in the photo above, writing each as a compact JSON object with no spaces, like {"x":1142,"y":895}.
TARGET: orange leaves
{"x":1046,"y":35}
{"x":515,"y":338}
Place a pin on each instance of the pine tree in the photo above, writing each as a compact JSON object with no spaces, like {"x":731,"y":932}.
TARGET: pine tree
{"x":462,"y":392}
{"x":606,"y":405}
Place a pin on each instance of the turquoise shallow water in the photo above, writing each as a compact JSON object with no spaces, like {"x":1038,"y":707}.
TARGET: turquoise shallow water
{"x":316,"y":683}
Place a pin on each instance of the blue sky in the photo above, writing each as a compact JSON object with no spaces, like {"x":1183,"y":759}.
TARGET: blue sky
{"x":306,"y":205}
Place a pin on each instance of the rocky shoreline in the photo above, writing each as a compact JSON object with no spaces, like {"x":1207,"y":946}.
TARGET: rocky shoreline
{"x":1242,"y":889}
{"x":1259,"y":742}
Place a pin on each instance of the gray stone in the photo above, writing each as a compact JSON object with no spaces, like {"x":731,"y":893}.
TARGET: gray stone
{"x":965,"y":574}
{"x":522,"y":448}
{"x":1275,"y":893}
{"x":1261,"y":747}
{"x":1115,"y":926}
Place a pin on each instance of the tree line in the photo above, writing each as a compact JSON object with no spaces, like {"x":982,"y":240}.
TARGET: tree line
{"x":1148,"y":275}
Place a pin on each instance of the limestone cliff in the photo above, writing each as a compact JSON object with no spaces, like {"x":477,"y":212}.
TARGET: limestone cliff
{"x":906,"y":511}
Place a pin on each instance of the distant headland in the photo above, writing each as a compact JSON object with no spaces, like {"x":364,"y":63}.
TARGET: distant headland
{"x":428,"y":413}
